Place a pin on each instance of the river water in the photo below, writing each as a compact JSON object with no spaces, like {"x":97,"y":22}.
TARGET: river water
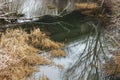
{"x":85,"y":57}
{"x":85,"y":48}
{"x":84,"y":42}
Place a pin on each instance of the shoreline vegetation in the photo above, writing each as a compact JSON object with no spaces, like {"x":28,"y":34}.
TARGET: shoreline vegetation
{"x":19,"y":53}
{"x":19,"y":50}
{"x":112,"y":34}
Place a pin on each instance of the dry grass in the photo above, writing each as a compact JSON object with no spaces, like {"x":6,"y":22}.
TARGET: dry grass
{"x":90,"y":9}
{"x":35,"y":37}
{"x":44,"y":78}
{"x":19,"y":53}
{"x":113,"y":37}
{"x":39,"y":39}
{"x":87,"y":6}
{"x":112,"y":69}
{"x":113,"y":66}
{"x":47,"y":43}
{"x":57,"y":53}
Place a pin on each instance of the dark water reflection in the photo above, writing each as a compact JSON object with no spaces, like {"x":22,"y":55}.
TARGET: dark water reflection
{"x":65,"y":28}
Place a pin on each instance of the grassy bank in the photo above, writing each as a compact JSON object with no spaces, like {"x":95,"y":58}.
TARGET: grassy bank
{"x":19,"y":53}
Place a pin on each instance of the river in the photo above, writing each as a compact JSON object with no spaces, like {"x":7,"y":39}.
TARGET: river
{"x":85,"y":48}
{"x":83,"y":38}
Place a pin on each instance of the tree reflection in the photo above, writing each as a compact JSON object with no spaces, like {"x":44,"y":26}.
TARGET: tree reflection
{"x":89,"y":64}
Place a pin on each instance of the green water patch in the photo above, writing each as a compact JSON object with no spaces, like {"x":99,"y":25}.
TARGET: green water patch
{"x":62,"y":28}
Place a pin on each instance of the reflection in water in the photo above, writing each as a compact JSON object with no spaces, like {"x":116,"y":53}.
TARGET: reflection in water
{"x":85,"y":56}
{"x":78,"y":66}
{"x":86,"y":65}
{"x":85,"y":59}
{"x":89,"y":65}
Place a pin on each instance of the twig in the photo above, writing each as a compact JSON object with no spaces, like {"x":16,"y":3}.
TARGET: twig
{"x":6,"y":14}
{"x":112,"y":38}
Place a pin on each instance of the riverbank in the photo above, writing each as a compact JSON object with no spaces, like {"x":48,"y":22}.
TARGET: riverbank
{"x":24,"y":47}
{"x":112,"y":33}
{"x":20,"y":53}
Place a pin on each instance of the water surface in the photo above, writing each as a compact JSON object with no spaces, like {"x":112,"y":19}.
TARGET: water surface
{"x":84,"y":45}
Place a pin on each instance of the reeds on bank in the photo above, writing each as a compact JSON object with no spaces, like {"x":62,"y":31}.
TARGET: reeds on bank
{"x":19,"y":53}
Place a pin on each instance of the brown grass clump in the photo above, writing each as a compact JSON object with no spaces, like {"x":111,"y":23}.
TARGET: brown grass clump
{"x":47,"y":43}
{"x":112,"y":67}
{"x":16,"y":71}
{"x":14,"y":42}
{"x":87,"y":6}
{"x":6,"y":60}
{"x":57,"y":53}
{"x":19,"y":53}
{"x":90,"y":9}
{"x":44,"y":78}
{"x":23,"y":57}
{"x":35,"y":37}
{"x":39,"y":39}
